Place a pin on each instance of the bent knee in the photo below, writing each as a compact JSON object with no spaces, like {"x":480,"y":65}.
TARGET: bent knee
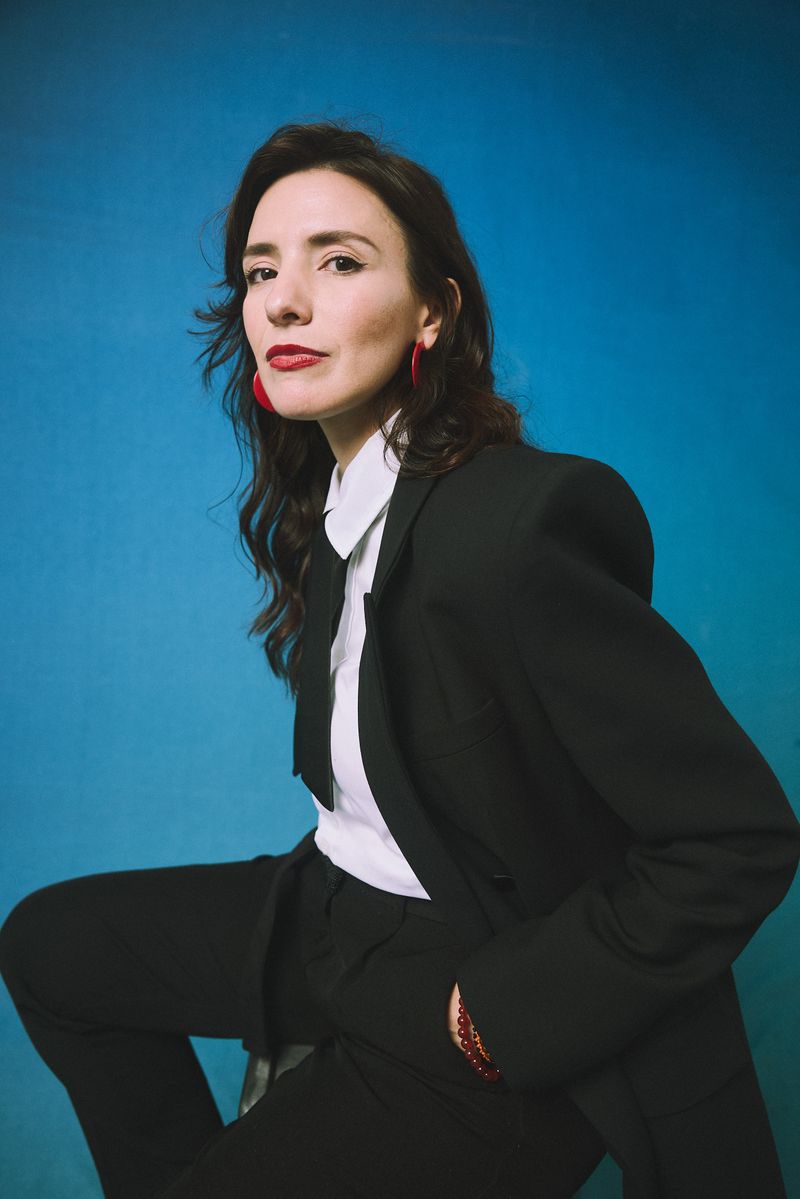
{"x":39,"y":938}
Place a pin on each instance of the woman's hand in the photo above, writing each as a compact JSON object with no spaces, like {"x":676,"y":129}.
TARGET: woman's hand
{"x":452,"y":1016}
{"x":472,"y":1046}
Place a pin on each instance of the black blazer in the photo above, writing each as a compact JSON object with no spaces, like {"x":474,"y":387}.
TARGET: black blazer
{"x":553,"y":762}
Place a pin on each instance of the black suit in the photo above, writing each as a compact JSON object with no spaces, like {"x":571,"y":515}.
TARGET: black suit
{"x":599,"y":840}
{"x":555,"y":765}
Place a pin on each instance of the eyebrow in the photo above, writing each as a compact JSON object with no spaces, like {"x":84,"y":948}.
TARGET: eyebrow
{"x":327,"y":237}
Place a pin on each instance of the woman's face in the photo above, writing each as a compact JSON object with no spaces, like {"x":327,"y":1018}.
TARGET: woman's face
{"x":326,"y":271}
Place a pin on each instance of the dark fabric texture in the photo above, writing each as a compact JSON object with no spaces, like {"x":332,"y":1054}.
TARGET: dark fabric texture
{"x":527,"y":718}
{"x":111,"y":972}
{"x":599,"y":835}
{"x":389,"y":1106}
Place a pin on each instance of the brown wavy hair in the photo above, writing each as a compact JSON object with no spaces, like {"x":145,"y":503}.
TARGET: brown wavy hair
{"x":445,"y":421}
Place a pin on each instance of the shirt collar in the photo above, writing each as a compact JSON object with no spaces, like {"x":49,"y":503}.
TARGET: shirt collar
{"x":357,"y":498}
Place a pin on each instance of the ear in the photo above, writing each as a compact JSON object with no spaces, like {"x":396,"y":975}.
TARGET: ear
{"x":432,"y":317}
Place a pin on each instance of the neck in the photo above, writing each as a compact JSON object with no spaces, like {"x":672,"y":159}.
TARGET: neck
{"x":346,"y":432}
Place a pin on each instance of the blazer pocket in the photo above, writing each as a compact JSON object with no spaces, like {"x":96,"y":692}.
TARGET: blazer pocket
{"x":683,"y":1060}
{"x":445,"y":739}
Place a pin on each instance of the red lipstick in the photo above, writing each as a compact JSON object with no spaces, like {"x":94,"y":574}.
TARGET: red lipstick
{"x":293,"y":357}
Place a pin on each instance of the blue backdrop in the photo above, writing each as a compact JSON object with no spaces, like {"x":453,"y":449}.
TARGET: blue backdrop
{"x":626,"y":172}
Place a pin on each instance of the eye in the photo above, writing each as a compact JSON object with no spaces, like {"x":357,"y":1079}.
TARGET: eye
{"x":350,"y":267}
{"x":259,"y":274}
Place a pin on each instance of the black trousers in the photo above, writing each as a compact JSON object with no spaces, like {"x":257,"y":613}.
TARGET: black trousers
{"x":111,"y":973}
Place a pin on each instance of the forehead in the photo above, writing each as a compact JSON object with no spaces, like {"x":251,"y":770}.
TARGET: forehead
{"x":301,"y":204}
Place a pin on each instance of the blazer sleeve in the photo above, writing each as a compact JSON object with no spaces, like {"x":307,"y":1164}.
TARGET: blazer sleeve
{"x":714,"y":841}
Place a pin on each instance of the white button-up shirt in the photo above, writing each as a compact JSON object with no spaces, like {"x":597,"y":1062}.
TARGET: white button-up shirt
{"x":354,"y":835}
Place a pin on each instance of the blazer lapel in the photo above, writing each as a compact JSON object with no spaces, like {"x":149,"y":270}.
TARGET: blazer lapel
{"x":312,"y":713}
{"x":394,"y":792}
{"x":407,"y":498}
{"x":401,"y":807}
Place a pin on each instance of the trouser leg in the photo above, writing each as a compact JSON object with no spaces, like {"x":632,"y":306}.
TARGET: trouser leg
{"x":110,"y":974}
{"x":389,"y":1106}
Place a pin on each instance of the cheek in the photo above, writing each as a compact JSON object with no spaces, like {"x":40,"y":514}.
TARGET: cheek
{"x":379,"y":327}
{"x":250,"y":321}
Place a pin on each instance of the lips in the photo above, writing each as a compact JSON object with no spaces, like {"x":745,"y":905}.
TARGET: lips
{"x":293,"y":357}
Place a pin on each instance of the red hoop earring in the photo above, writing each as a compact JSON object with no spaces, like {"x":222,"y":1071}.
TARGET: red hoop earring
{"x":261,"y":396}
{"x":415,"y":357}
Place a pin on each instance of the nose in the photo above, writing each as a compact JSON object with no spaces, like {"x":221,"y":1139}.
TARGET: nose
{"x":288,"y":301}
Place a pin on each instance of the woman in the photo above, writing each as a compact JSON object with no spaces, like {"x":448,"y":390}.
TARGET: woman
{"x":541,"y":838}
